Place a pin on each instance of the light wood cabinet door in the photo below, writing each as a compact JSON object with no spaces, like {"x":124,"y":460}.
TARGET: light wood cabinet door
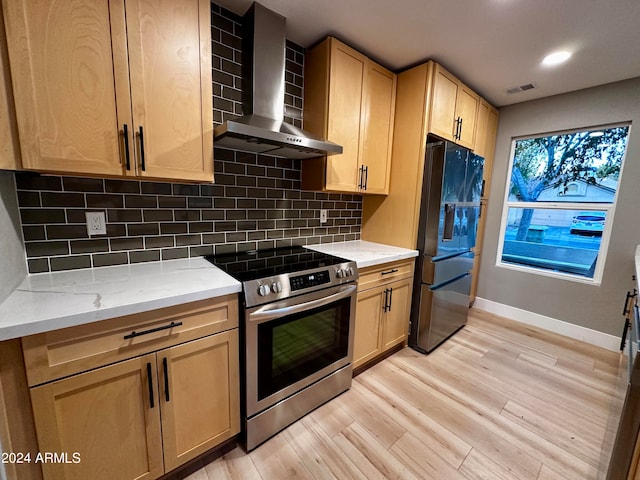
{"x":366,"y":342}
{"x":377,"y":128}
{"x":168,"y":44}
{"x":396,"y":320}
{"x":109,"y":416}
{"x":68,"y":62}
{"x":454,"y":109}
{"x":346,"y":88}
{"x":467,"y":110}
{"x":443,"y":106}
{"x":199,"y":383}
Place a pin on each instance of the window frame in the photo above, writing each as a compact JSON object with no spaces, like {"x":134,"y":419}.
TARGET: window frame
{"x":609,"y":208}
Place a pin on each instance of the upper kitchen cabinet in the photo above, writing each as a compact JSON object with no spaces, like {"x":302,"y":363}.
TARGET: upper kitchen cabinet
{"x":349,"y":100}
{"x":9,"y":148}
{"x":454,"y":109}
{"x":113,"y":88}
{"x":486,"y":131}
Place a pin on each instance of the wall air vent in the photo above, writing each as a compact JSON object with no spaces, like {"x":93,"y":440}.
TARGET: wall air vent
{"x":521,"y":88}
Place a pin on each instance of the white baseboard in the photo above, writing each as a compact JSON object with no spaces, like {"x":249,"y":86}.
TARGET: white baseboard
{"x":587,"y":335}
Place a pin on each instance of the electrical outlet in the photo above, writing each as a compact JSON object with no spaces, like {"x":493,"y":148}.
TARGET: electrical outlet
{"x":96,"y":224}
{"x":323,"y":216}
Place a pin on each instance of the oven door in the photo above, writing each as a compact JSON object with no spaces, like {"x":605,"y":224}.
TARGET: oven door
{"x":296,"y":342}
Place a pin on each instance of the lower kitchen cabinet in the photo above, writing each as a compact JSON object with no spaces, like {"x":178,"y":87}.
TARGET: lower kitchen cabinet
{"x":141,"y":417}
{"x":106,"y":418}
{"x":382,"y":310}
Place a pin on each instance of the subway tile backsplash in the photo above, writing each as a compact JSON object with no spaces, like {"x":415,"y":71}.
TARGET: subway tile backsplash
{"x":256,"y":201}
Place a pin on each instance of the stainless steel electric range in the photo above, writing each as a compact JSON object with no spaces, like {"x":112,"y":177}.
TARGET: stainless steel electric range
{"x":297,"y":328}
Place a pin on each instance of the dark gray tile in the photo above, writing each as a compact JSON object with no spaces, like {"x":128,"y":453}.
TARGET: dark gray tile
{"x":275,"y":234}
{"x":199,"y":202}
{"x":236,"y":237}
{"x":46,"y":249}
{"x":213,"y":238}
{"x":33,"y":232}
{"x":248,"y":225}
{"x":225,"y":248}
{"x":105,"y":200}
{"x":156,"y":188}
{"x":121,"y":186}
{"x":139,"y":229}
{"x":70,"y":263}
{"x":62,"y":199}
{"x":172,"y":202}
{"x":140,"y":256}
{"x":256,"y":235}
{"x":159,"y":242}
{"x":173,"y":253}
{"x":173,"y":228}
{"x":186,"y":215}
{"x":182,"y":240}
{"x":89,"y":246}
{"x":200,"y":227}
{"x":212,"y":214}
{"x":201,"y":251}
{"x":124,"y":215}
{"x":157,"y":215}
{"x":141,"y":201}
{"x":126,"y":243}
{"x":29,"y":199}
{"x":38,"y":265}
{"x":225,"y":226}
{"x":73,"y":184}
{"x":236,"y":214}
{"x":66,"y":231}
{"x":35,"y":181}
{"x":116,"y":230}
{"x":108,"y":259}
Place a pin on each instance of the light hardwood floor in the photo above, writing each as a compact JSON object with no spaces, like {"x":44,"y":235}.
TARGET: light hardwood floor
{"x":497,"y":401}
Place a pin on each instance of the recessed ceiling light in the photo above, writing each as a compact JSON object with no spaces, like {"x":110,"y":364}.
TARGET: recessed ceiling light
{"x":556,"y":58}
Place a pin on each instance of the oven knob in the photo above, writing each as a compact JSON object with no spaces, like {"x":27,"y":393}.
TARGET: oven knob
{"x":340,"y":273}
{"x":350,"y":272}
{"x":276,"y":287}
{"x":264,"y":290}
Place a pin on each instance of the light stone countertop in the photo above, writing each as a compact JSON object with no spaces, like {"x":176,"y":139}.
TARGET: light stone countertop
{"x":365,"y":254}
{"x":49,"y":301}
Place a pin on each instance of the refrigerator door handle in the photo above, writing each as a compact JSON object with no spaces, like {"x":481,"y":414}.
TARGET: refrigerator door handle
{"x":438,"y":286}
{"x":449,"y":220}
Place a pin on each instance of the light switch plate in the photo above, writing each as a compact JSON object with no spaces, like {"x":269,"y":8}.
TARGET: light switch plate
{"x":323,"y":216}
{"x":96,"y":224}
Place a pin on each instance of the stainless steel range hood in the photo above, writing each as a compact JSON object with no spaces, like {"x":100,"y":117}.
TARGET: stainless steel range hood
{"x":263,"y":129}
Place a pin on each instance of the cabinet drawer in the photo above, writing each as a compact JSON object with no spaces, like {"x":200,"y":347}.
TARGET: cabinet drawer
{"x":370,"y":277}
{"x":67,"y":351}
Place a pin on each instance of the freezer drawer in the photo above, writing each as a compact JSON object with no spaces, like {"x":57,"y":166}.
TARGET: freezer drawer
{"x":436,"y":271}
{"x":442,"y":311}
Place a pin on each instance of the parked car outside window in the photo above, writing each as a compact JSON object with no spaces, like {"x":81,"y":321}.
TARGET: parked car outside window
{"x":588,"y":222}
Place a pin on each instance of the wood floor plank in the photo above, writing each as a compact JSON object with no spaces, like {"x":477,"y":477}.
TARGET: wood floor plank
{"x":498,"y":400}
{"x":480,"y":467}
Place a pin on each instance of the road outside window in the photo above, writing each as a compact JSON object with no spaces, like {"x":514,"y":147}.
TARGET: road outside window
{"x":560,"y":202}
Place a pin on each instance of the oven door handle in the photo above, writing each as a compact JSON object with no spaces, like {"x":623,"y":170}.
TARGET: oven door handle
{"x":267,"y":312}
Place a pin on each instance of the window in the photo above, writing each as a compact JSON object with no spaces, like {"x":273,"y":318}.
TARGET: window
{"x":560,"y":202}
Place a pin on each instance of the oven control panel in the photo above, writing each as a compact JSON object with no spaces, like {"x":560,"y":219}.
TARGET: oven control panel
{"x":309,"y":280}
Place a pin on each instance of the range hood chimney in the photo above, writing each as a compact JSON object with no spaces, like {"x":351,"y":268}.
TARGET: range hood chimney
{"x":262,"y":129}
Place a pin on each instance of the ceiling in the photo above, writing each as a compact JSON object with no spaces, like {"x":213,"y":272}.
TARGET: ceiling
{"x":491,"y":45}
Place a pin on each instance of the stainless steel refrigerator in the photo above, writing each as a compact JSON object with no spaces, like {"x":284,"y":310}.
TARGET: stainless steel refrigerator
{"x":449,"y":213}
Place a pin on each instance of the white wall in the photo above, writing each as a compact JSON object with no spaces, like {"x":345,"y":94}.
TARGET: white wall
{"x":594,"y":307}
{"x":12,"y":257}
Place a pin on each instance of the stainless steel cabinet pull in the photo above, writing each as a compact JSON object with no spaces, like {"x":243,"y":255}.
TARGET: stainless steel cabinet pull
{"x":390,"y":297}
{"x":152,"y":330}
{"x":366,"y":177}
{"x":125,"y":132}
{"x":142,"y":164}
{"x":150,"y":381}
{"x":166,"y":379}
{"x":389,"y":271}
{"x":360,"y":177}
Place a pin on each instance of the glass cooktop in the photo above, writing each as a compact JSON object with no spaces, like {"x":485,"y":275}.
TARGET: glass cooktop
{"x":257,"y":264}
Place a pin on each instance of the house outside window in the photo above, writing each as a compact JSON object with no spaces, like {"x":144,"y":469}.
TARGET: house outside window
{"x":560,"y":202}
